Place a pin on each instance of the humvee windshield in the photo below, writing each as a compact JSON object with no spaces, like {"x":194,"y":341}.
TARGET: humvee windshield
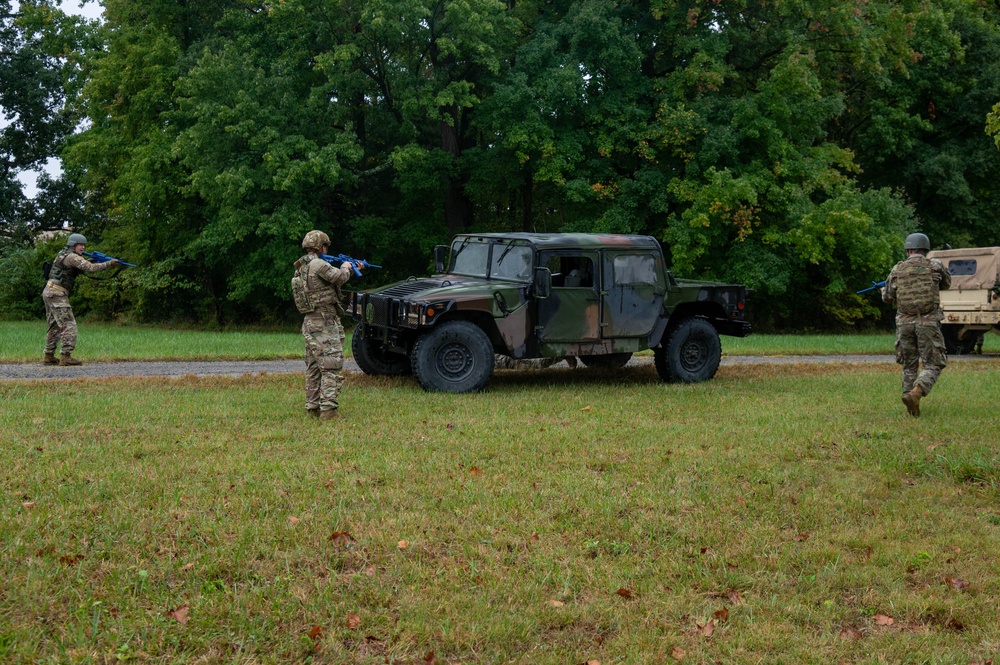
{"x":510,"y":259}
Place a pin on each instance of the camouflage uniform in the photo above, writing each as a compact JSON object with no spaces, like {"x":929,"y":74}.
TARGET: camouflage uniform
{"x":914,"y":285}
{"x":58,"y":311}
{"x":323,"y":332}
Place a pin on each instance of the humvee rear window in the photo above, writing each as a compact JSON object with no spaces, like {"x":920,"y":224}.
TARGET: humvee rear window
{"x":634,"y":269}
{"x":962,"y":267}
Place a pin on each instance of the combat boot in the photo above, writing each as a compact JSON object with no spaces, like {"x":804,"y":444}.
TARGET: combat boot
{"x":68,"y":360}
{"x":312,"y":413}
{"x":328,"y":414}
{"x":912,"y":400}
{"x":50,"y":359}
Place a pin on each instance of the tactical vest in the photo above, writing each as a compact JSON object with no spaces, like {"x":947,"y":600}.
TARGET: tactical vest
{"x":312,"y":293}
{"x":916,"y":288}
{"x":60,"y":273}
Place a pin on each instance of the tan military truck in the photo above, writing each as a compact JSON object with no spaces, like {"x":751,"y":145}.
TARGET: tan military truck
{"x":972,"y":305}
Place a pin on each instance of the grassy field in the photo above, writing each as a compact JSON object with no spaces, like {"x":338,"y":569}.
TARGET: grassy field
{"x":777,"y":514}
{"x":23,"y":342}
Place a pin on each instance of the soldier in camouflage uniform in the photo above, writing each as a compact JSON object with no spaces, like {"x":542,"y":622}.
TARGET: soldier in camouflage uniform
{"x":914,"y":285}
{"x":58,"y":312}
{"x":316,"y":288}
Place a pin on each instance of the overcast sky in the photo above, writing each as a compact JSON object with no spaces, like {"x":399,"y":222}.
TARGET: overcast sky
{"x":91,"y":10}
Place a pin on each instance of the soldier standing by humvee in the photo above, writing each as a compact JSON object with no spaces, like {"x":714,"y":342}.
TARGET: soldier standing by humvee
{"x":914,"y":285}
{"x":316,"y":289}
{"x":58,"y":312}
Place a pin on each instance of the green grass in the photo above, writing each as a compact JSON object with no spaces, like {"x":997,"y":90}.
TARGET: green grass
{"x":23,"y":342}
{"x":558,"y":517}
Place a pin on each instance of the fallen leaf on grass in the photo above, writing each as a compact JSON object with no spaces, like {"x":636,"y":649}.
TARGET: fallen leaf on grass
{"x":734,"y":597}
{"x":181,"y":614}
{"x":624,"y":593}
{"x":883,"y":620}
{"x":353,"y":621}
{"x":586,"y":408}
{"x":449,"y":427}
{"x":677,"y":653}
{"x":187,"y":566}
{"x":316,"y":632}
{"x":370,"y":571}
{"x":402,"y":544}
{"x":28,"y":505}
{"x":71,"y":560}
{"x":293,"y":520}
{"x":430,"y":658}
{"x":476,"y":471}
{"x":556,"y":603}
{"x":956,"y":583}
{"x":722,"y":615}
{"x":850,"y":634}
{"x":707,"y":629}
{"x":732,"y":566}
{"x":341,"y":538}
{"x":800,"y":537}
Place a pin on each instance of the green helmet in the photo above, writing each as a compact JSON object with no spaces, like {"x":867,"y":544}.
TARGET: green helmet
{"x":75,"y":239}
{"x":315,"y":240}
{"x":917,"y":241}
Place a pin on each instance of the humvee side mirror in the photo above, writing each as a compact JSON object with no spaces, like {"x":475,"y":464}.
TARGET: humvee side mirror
{"x":542,"y":284}
{"x":440,"y":258}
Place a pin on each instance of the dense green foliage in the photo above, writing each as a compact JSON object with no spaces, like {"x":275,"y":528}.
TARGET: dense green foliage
{"x":789,"y":145}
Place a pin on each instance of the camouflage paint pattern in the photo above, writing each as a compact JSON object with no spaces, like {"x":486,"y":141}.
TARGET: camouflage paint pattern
{"x":602,"y":318}
{"x":914,"y":285}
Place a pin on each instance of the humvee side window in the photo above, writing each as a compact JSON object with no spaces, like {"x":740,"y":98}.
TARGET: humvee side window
{"x":571,"y":271}
{"x":962,"y":267}
{"x":634,"y":269}
{"x":511,"y":262}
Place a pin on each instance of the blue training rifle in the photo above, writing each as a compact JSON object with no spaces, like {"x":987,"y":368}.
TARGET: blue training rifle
{"x":875,"y":285}
{"x":102,"y":258}
{"x":338,"y":259}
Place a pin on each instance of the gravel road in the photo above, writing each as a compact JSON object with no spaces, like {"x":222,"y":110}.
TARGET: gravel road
{"x":241,"y":368}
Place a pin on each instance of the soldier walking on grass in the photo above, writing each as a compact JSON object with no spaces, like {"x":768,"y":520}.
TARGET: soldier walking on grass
{"x":58,"y":312}
{"x":316,"y":289}
{"x":915,"y":285}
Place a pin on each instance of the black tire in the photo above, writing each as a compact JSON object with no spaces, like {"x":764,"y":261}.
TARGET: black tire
{"x":373,"y":360}
{"x":691,"y":352}
{"x":454,"y":357}
{"x":610,"y":361}
{"x":956,"y":346}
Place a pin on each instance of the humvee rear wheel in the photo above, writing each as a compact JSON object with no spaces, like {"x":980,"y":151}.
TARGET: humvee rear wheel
{"x":455,"y":357}
{"x":690,"y":353}
{"x":373,"y":360}
{"x":956,"y":346}
{"x":610,"y":361}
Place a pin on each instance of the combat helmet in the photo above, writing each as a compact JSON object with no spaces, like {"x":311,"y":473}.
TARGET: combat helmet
{"x":315,"y":240}
{"x":75,"y":239}
{"x":917,"y":241}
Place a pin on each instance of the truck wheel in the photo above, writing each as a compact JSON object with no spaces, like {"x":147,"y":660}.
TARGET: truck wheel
{"x":373,"y":360}
{"x":956,"y":346}
{"x":455,"y":357}
{"x":690,"y":353}
{"x":610,"y":361}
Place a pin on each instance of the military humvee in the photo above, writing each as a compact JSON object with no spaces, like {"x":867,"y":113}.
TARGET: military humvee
{"x":599,"y":298}
{"x":972,"y":305}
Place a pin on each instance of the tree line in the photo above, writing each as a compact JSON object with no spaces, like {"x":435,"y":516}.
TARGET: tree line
{"x":789,"y":144}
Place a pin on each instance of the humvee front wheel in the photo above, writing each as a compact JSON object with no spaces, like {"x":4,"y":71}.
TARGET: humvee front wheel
{"x":375,"y":361}
{"x":454,"y":357}
{"x":691,"y":352}
{"x":610,"y":361}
